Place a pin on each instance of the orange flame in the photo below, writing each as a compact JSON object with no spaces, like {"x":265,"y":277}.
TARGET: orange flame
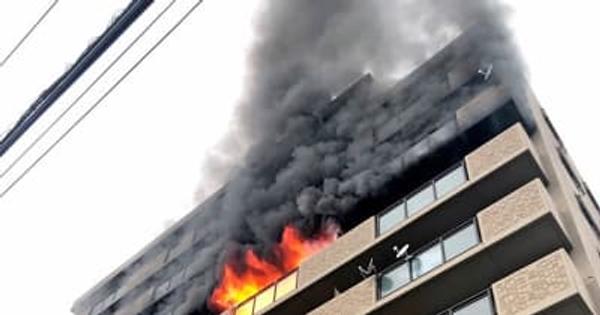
{"x":235,"y":286}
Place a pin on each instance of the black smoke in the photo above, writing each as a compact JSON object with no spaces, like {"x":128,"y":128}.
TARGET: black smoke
{"x":292,"y":157}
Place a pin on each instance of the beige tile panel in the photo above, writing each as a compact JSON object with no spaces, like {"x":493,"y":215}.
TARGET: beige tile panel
{"x":523,"y":204}
{"x":355,"y":300}
{"x":349,"y":244}
{"x":537,"y":287}
{"x":503,"y":147}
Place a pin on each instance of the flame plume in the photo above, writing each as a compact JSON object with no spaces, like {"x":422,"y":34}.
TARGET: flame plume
{"x":237,"y":286}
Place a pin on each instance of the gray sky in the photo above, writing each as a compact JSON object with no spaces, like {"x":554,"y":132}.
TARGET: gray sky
{"x":135,"y":163}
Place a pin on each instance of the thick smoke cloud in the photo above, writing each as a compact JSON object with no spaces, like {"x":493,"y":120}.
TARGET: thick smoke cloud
{"x":307,"y":51}
{"x":287,"y":159}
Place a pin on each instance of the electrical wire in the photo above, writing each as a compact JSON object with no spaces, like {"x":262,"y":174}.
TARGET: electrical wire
{"x":95,"y":105}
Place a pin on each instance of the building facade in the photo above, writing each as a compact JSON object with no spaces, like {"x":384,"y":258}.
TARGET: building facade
{"x":488,"y":216}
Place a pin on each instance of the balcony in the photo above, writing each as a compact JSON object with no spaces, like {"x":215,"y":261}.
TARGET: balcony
{"x":550,"y":286}
{"x":515,"y":231}
{"x":492,"y":171}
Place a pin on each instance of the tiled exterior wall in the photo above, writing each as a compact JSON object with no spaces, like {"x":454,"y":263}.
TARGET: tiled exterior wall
{"x":535,"y":287}
{"x":521,"y":205}
{"x":355,"y":300}
{"x":345,"y":247}
{"x":501,"y":148}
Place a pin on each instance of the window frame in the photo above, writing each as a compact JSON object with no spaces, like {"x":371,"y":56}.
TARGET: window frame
{"x":387,"y":210}
{"x":461,"y":165}
{"x":454,"y":231}
{"x":485,"y":293}
{"x":426,"y":186}
{"x":273,"y":286}
{"x":436,"y":241}
{"x":404,"y":200}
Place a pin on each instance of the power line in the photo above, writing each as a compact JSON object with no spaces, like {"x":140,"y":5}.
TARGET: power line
{"x":81,"y":118}
{"x":31,"y":29}
{"x":64,"y":112}
{"x":89,"y":56}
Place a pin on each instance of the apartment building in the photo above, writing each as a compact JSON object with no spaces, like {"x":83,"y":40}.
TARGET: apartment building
{"x":488,"y":214}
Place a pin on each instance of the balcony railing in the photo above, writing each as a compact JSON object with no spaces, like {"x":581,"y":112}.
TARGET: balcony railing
{"x":268,"y":295}
{"x":421,"y":198}
{"x":438,"y":252}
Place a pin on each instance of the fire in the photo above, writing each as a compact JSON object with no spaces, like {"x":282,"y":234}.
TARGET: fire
{"x":235,"y":287}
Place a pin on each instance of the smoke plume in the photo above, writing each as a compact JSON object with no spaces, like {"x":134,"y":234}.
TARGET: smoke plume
{"x":291,"y":157}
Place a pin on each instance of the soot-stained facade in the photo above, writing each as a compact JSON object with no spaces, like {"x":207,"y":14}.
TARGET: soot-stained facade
{"x":471,"y":206}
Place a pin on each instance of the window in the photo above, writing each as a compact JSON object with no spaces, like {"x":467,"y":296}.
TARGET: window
{"x":461,"y":240}
{"x":286,"y":285}
{"x":264,"y":299}
{"x":480,"y":306}
{"x":392,"y":217}
{"x":435,"y":254}
{"x":427,"y":260}
{"x":394,"y":279}
{"x":450,"y":181}
{"x":420,"y":200}
{"x":246,"y":308}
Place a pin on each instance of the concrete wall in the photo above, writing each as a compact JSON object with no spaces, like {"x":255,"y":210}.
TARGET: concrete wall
{"x":355,"y":300}
{"x":497,"y":151}
{"x":540,"y":287}
{"x":344,"y":248}
{"x":586,"y":246}
{"x":525,"y":203}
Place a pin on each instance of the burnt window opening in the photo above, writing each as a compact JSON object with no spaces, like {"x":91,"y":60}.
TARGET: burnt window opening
{"x":588,"y":217}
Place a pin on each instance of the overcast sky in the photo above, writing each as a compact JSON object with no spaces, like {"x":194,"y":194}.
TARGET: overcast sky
{"x":134,"y":164}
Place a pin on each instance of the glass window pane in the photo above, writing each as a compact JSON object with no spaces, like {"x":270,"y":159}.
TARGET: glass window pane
{"x":394,"y":279}
{"x":460,"y":241}
{"x":391,"y":218}
{"x":264,"y":299}
{"x":286,"y":285}
{"x":482,"y":306}
{"x":420,"y":200}
{"x":427,"y":260}
{"x":450,"y":181}
{"x":245,"y":309}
